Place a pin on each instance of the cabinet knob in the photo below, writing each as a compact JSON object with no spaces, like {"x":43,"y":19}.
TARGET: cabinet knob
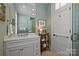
{"x":21,"y":49}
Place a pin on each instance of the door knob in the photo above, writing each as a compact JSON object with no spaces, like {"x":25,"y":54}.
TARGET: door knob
{"x":53,"y":34}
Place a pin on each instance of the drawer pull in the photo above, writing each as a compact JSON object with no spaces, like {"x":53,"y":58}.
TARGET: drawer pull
{"x":21,"y":49}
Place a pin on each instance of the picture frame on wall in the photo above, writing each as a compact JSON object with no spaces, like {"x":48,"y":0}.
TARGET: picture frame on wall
{"x":2,"y":12}
{"x":41,"y":22}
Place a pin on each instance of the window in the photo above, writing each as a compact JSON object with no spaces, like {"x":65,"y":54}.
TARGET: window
{"x":59,"y":5}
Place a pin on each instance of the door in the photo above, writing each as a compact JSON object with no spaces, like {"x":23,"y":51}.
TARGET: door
{"x":75,"y":27}
{"x":62,"y":29}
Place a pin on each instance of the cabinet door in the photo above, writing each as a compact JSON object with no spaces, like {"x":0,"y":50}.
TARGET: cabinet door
{"x":13,"y":52}
{"x":27,"y":50}
{"x":37,"y":49}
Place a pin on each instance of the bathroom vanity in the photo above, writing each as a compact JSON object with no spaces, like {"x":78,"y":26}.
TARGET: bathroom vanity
{"x":22,"y":45}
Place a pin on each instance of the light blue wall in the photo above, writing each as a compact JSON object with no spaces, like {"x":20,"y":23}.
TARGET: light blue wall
{"x":75,"y":28}
{"x":44,"y":13}
{"x":41,"y":9}
{"x":75,"y":18}
{"x":49,"y":18}
{"x":48,"y":23}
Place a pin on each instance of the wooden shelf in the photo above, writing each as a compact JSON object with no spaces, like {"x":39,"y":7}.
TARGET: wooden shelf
{"x":44,"y":41}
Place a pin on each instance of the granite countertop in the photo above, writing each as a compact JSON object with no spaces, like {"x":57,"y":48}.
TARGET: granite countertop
{"x":20,"y":36}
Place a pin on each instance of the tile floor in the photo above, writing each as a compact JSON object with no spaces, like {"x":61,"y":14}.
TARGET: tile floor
{"x":50,"y":53}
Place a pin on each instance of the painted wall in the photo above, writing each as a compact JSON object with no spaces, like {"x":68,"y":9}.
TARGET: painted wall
{"x":41,"y":10}
{"x":48,"y":21}
{"x":44,"y":13}
{"x":75,"y":27}
{"x":2,"y":33}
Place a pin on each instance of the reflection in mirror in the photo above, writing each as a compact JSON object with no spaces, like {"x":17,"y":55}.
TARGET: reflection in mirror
{"x":25,"y":24}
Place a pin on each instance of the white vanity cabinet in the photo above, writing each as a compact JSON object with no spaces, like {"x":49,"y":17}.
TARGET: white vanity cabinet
{"x":27,"y":50}
{"x":12,"y":51}
{"x":22,"y":46}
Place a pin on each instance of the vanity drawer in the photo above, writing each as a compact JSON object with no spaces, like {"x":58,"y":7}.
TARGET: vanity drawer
{"x":20,"y":42}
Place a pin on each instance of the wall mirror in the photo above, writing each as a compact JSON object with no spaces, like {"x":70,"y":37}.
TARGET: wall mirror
{"x":25,"y":24}
{"x":2,"y":12}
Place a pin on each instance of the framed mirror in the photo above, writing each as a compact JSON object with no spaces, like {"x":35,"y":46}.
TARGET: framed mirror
{"x":2,"y":12}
